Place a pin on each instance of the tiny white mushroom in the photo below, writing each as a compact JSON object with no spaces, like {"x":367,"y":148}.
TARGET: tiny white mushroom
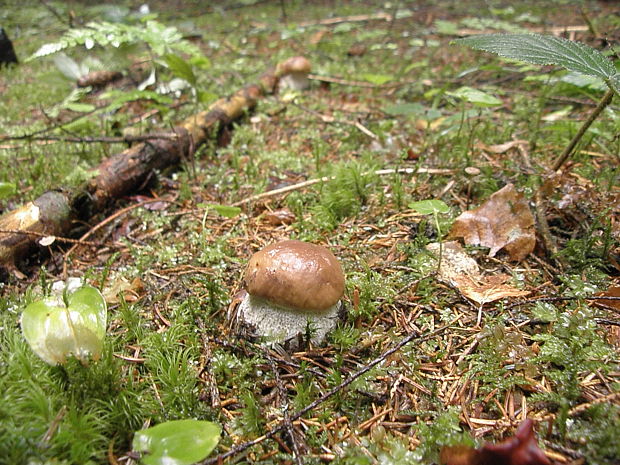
{"x":293,"y":73}
{"x":293,"y":289}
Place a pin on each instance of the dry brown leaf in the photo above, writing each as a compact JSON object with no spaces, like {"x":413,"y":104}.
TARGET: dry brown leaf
{"x":130,"y":291}
{"x":520,"y":449}
{"x":614,"y":305}
{"x":488,"y":288}
{"x":461,"y":271}
{"x":504,"y":221}
{"x":279,"y":217}
{"x":501,"y":148}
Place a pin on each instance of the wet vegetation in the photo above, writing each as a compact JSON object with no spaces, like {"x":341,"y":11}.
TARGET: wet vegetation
{"x":390,"y":118}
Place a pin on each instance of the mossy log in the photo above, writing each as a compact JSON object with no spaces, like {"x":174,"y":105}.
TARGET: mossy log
{"x":54,"y":213}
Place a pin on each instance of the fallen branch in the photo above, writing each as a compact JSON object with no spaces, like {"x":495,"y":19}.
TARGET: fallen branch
{"x":54,"y":213}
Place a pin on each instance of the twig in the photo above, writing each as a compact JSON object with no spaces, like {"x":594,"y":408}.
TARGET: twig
{"x":346,"y":82}
{"x":331,"y":120}
{"x":560,"y":299}
{"x":109,"y":219}
{"x":285,"y":410}
{"x":337,"y":20}
{"x":606,"y":100}
{"x":90,"y":140}
{"x":56,"y":238}
{"x":53,"y":11}
{"x":311,"y":182}
{"x":406,"y":340}
{"x":543,"y":225}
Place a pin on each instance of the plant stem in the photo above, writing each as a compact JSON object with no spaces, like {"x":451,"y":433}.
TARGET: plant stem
{"x":439,"y":235}
{"x":606,"y":100}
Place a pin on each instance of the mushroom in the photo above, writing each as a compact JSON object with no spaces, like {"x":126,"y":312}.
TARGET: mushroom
{"x":293,"y":73}
{"x":293,"y":292}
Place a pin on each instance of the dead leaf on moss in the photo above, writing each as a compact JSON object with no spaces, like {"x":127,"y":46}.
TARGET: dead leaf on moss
{"x":462,"y":272}
{"x":608,"y":304}
{"x":520,"y":449}
{"x":121,"y":287}
{"x":279,"y":217}
{"x":501,"y":148}
{"x":504,"y":221}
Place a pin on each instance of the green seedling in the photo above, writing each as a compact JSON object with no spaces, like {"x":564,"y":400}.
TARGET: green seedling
{"x":7,"y":189}
{"x":72,"y":326}
{"x":433,"y":207}
{"x":548,"y":50}
{"x":180,"y":442}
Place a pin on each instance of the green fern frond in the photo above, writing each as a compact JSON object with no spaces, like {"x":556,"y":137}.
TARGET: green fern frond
{"x":159,"y":38}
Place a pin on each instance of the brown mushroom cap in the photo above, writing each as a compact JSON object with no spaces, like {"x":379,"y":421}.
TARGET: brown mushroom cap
{"x":296,"y":275}
{"x":296,"y":64}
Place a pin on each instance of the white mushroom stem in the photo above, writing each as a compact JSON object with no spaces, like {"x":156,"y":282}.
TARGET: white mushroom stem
{"x":295,"y":81}
{"x":283,"y":325}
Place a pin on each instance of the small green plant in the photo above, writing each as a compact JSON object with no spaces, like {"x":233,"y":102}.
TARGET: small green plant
{"x":433,"y":207}
{"x":74,"y":325}
{"x":548,"y":50}
{"x":7,"y":189}
{"x":160,"y":39}
{"x":180,"y":442}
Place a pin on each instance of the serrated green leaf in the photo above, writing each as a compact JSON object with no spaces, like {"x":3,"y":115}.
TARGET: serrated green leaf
{"x":429,"y":207}
{"x":54,"y":332}
{"x":7,"y":189}
{"x":475,"y":96}
{"x":544,"y":50}
{"x":180,"y":442}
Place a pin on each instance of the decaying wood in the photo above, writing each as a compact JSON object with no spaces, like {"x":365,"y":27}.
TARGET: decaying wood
{"x":53,"y":213}
{"x":49,"y":214}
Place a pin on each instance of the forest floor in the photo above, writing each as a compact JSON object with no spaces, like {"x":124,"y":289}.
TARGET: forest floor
{"x":391,"y":118}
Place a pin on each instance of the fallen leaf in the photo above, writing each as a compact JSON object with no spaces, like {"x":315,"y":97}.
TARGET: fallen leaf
{"x":609,"y":304}
{"x":462,"y":272}
{"x":504,"y":221}
{"x":501,"y":148}
{"x":521,"y":449}
{"x":279,"y":217}
{"x":120,"y":286}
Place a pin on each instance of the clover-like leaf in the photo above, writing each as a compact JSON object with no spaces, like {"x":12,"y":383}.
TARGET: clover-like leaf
{"x":475,"y":96}
{"x":429,"y":207}
{"x":179,"y":442}
{"x":55,"y":331}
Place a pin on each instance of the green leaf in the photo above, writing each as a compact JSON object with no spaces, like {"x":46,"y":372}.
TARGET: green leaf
{"x":545,"y":50}
{"x":7,"y":189}
{"x":180,"y":68}
{"x":377,"y":79}
{"x":119,"y":97}
{"x":406,"y":109}
{"x":55,"y":331}
{"x":227,"y":211}
{"x":80,"y":107}
{"x":180,"y":442}
{"x":475,"y":96}
{"x":429,"y":207}
{"x":446,"y":27}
